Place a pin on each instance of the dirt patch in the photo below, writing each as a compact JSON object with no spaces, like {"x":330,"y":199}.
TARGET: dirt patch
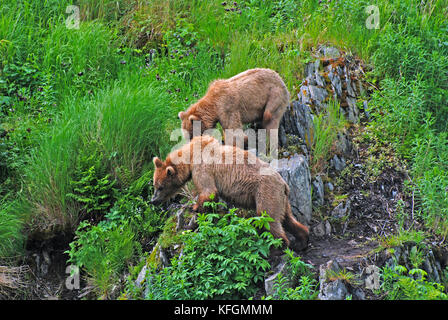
{"x":347,"y":252}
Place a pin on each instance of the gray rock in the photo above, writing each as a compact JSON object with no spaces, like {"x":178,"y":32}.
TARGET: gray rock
{"x":317,"y":95}
{"x":334,"y":290}
{"x":327,"y":227}
{"x":329,"y":52}
{"x":338,"y":163}
{"x":318,"y":191}
{"x":180,"y":220}
{"x":270,"y":281}
{"x":319,"y":230}
{"x":322,"y":229}
{"x":358,"y":294}
{"x":335,"y":79}
{"x":297,"y":121}
{"x":402,"y":255}
{"x":320,"y":81}
{"x":343,"y":144}
{"x":365,"y":106}
{"x":372,"y":277}
{"x":304,"y":96}
{"x":348,"y":81}
{"x":331,"y":290}
{"x":161,"y":255}
{"x":352,"y":112}
{"x":141,"y":277}
{"x":341,"y":210}
{"x":311,"y":79}
{"x":311,"y":68}
{"x":295,"y":171}
{"x":330,"y":186}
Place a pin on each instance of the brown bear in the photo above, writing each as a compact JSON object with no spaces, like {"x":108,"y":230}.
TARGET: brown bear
{"x":255,"y":95}
{"x":235,"y":175}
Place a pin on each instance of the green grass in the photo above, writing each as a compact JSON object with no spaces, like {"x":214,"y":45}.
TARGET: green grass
{"x":127,"y":124}
{"x":12,"y":238}
{"x":81,"y":60}
{"x":326,"y":128}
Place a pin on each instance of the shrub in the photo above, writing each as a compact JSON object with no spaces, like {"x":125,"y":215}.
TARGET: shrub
{"x":26,"y":84}
{"x":93,"y":192}
{"x":103,"y":251}
{"x":224,"y":259}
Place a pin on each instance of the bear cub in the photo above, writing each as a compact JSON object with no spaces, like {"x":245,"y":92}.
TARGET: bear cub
{"x":253,"y":96}
{"x":235,"y":175}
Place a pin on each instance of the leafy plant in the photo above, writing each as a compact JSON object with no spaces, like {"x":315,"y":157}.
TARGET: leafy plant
{"x":297,"y":283}
{"x":103,"y":251}
{"x":106,"y":250}
{"x":224,"y":259}
{"x":93,"y":188}
{"x":400,"y":284}
{"x":94,"y":193}
{"x":26,"y":83}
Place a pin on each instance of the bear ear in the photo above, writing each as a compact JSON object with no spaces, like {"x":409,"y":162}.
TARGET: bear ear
{"x":193,"y":118}
{"x":181,"y":115}
{"x":157,"y":162}
{"x":169,"y":171}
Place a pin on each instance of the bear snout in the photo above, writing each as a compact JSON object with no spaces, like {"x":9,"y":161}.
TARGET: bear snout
{"x":156,"y":199}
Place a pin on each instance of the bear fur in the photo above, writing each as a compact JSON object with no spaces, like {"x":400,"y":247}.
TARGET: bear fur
{"x":235,"y":175}
{"x":255,"y":95}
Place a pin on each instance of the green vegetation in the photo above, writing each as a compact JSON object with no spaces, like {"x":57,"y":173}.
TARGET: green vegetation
{"x":225,"y":259}
{"x":400,"y":284}
{"x":297,"y":284}
{"x":107,"y":249}
{"x":327,"y":125}
{"x":83,"y":111}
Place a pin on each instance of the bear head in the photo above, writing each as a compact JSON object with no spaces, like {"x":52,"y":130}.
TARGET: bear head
{"x":188,"y":124}
{"x":166,"y":181}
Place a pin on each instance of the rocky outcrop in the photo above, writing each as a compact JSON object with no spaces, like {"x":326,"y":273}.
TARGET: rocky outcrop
{"x":360,"y":278}
{"x":329,"y":289}
{"x":296,"y":127}
{"x":332,"y":75}
{"x":296,"y":173}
